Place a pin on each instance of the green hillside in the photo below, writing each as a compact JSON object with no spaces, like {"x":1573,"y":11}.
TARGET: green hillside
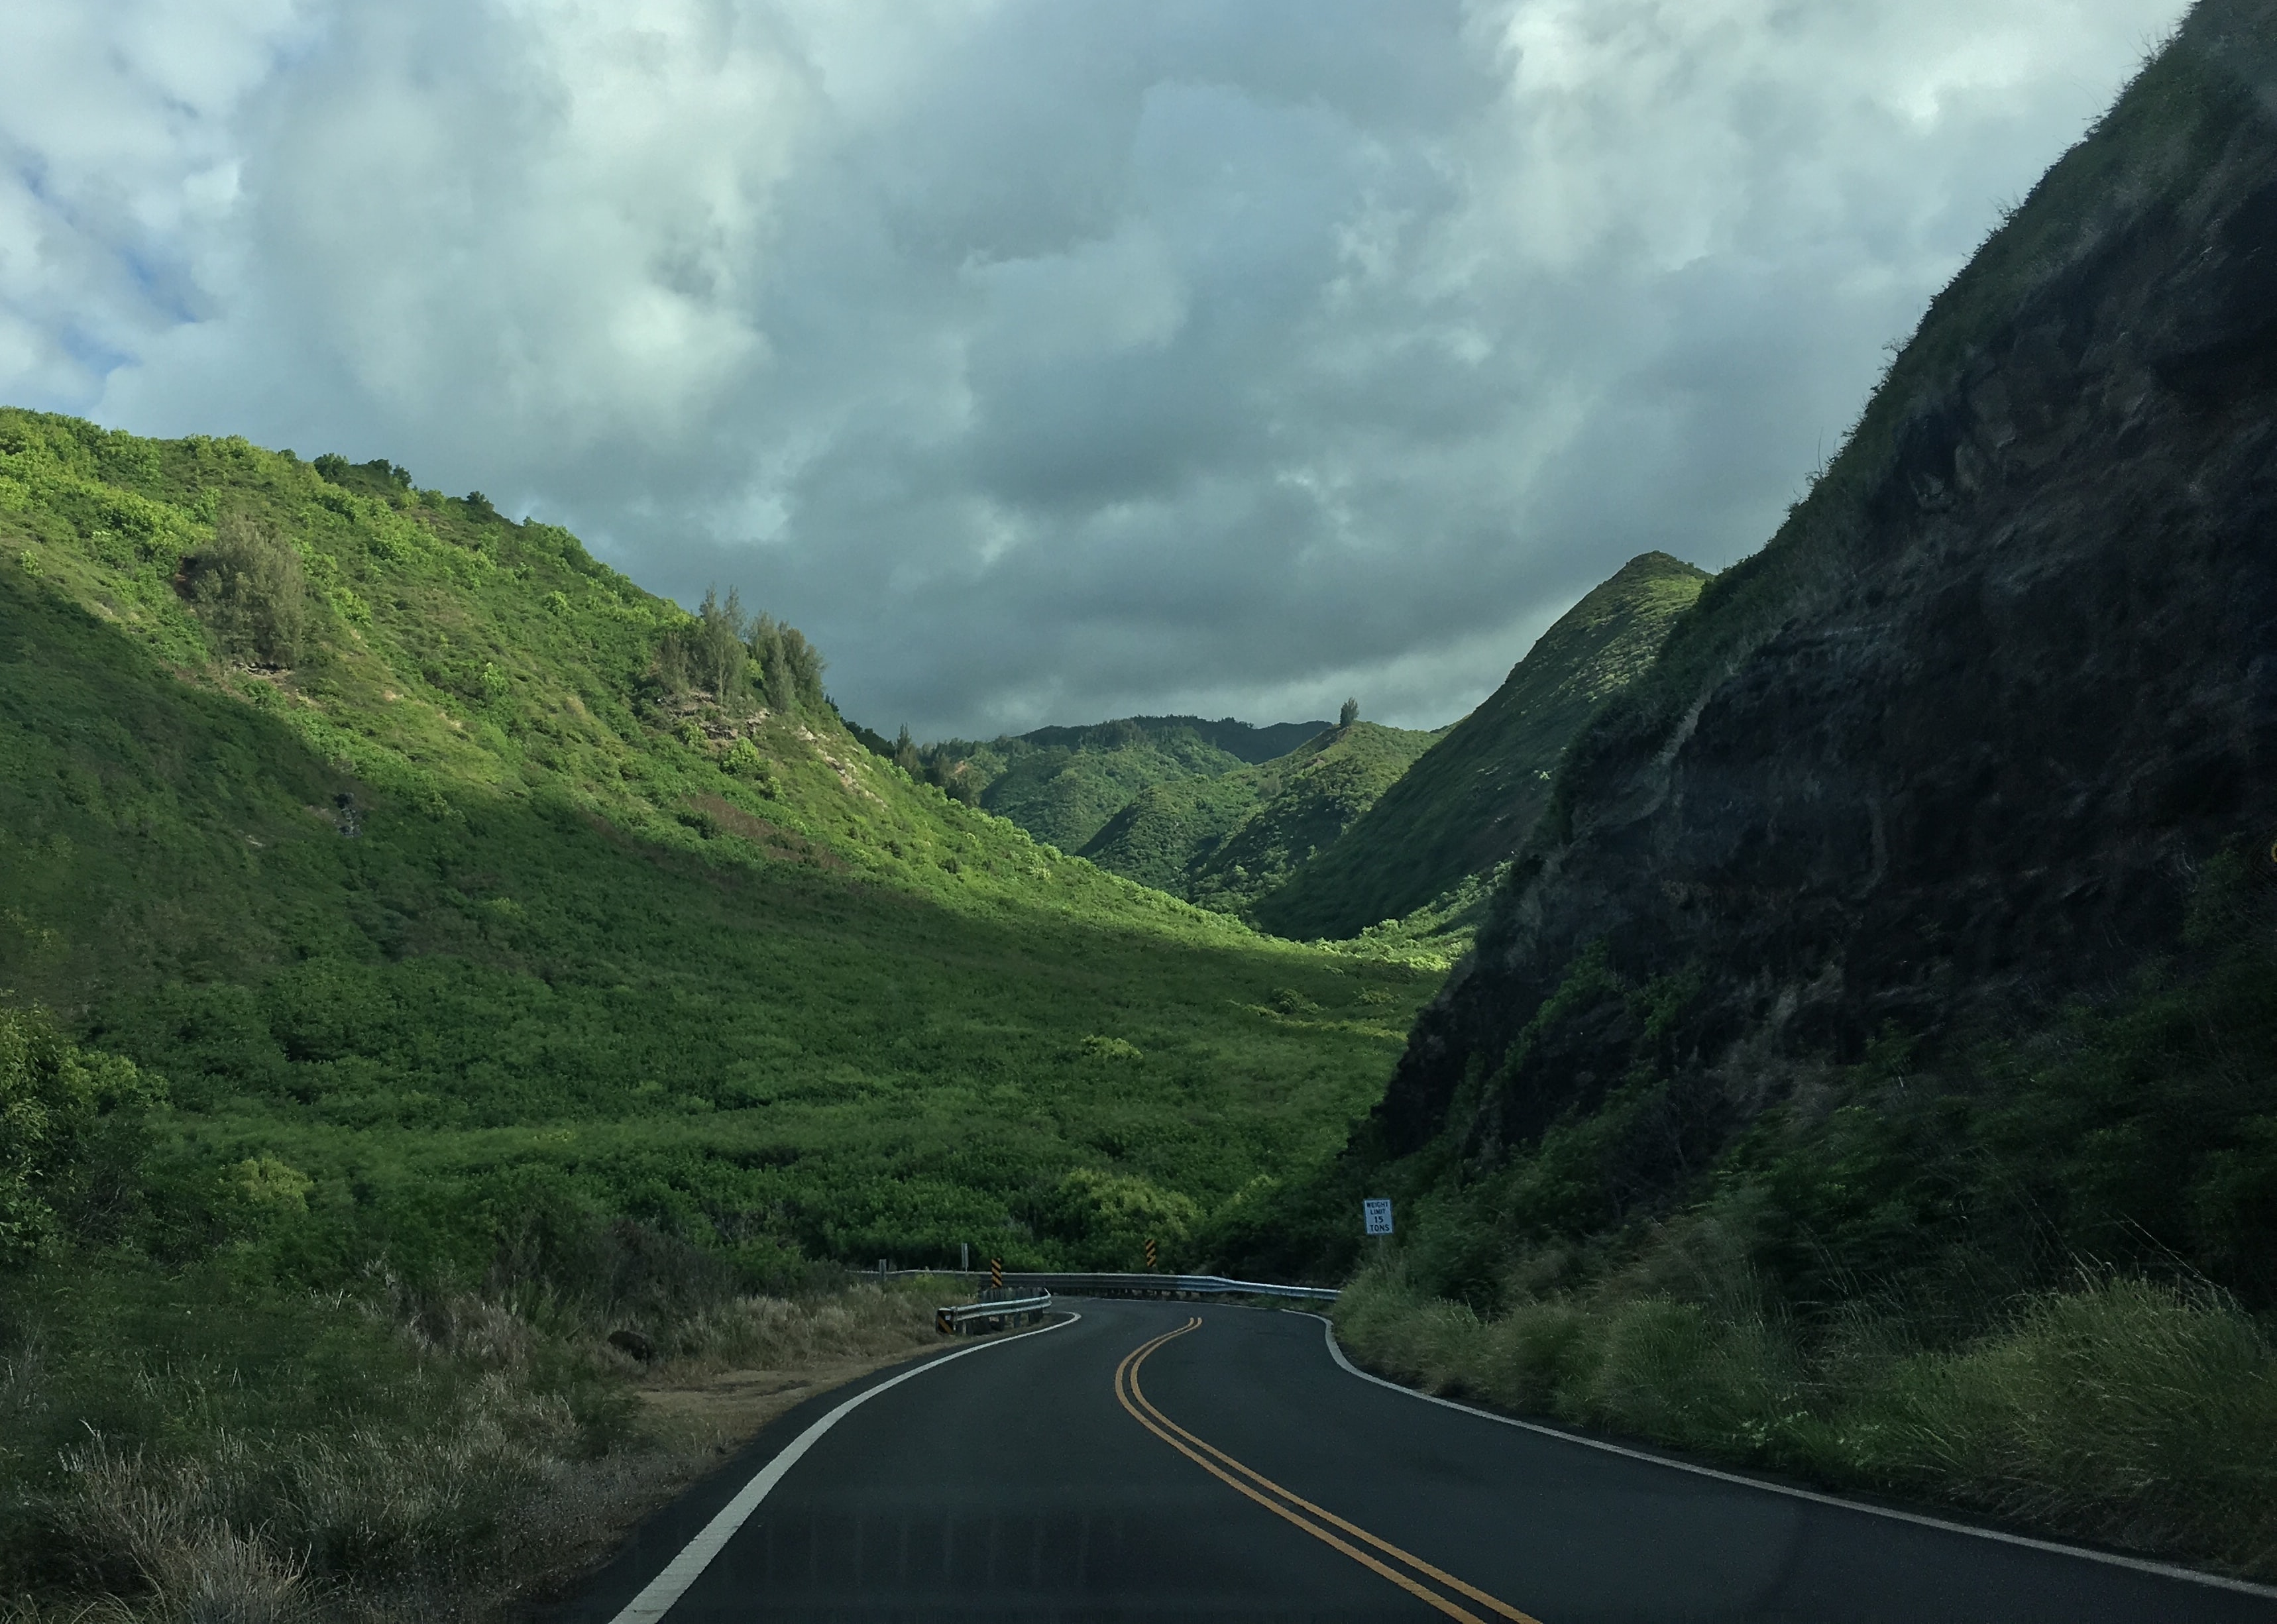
{"x":1065,"y":785}
{"x":419,"y":853}
{"x":1064,"y":791}
{"x":1867,"y":1074}
{"x":1305,"y":800}
{"x":1223,"y":841}
{"x":1471,"y":800}
{"x":1169,"y":828}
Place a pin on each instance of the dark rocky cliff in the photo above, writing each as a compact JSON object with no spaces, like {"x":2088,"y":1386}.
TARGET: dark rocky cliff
{"x":1951,"y":749}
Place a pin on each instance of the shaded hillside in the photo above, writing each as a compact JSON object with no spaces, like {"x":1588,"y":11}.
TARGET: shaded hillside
{"x":1305,"y":800}
{"x":1958,"y":747}
{"x":1867,"y":1074}
{"x":419,"y":852}
{"x":1472,"y":798}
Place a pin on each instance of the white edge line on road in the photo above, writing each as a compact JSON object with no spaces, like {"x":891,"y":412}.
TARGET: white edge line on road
{"x":2165,"y":1570}
{"x":668,"y":1587}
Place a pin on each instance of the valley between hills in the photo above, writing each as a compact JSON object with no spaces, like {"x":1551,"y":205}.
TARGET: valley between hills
{"x":1820,"y":1017}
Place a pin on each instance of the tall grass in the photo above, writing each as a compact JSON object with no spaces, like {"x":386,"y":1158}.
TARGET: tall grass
{"x":386,"y":1455}
{"x":2120,"y":1410}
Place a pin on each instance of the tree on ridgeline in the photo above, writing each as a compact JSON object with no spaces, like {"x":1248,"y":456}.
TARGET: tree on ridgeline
{"x":719,"y":654}
{"x":1349,"y":715}
{"x":790,"y":667}
{"x":672,"y":672}
{"x":719,"y":648}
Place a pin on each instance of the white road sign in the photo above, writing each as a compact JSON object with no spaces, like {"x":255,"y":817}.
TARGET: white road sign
{"x":1377,"y":1216}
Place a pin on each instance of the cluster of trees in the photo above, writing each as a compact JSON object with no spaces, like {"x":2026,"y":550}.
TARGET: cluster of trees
{"x":724,"y":653}
{"x":251,"y":592}
{"x":939,"y":765}
{"x":378,"y":476}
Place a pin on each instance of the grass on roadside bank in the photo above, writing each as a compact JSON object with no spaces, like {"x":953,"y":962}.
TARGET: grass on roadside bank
{"x":2122,"y":1411}
{"x":182,"y":1448}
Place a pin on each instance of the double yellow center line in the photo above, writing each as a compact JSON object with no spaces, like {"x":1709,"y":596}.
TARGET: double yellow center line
{"x":1408,"y":1573}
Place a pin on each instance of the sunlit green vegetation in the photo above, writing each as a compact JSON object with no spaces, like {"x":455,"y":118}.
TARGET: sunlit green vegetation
{"x":1064,"y":785}
{"x":422,"y":954}
{"x":1305,"y":800}
{"x":1162,"y":800}
{"x":1469,"y":802}
{"x":519,"y":877}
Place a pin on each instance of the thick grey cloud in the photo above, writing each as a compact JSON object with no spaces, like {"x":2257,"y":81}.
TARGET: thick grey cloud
{"x":1044,"y":362}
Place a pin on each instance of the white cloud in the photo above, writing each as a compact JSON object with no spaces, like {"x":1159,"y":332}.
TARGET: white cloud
{"x":1044,"y":360}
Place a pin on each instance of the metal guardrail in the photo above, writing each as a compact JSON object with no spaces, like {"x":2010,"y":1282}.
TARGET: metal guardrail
{"x":1131,"y":1285}
{"x":1009,"y":1311}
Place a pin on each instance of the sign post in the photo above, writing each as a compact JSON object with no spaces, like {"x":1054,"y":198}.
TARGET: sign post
{"x":1376,"y":1215}
{"x":1150,"y":1254}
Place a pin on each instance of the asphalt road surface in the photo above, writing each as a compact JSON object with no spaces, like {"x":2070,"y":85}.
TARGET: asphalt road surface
{"x":1167,"y":1461}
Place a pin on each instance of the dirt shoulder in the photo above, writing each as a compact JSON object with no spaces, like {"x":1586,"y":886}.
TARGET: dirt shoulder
{"x":728,"y":1407}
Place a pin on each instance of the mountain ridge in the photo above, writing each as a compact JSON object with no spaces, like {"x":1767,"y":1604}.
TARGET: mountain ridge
{"x":1471,"y":800}
{"x":1984,"y":727}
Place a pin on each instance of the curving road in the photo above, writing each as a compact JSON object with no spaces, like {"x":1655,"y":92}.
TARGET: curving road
{"x":1160,"y":1462}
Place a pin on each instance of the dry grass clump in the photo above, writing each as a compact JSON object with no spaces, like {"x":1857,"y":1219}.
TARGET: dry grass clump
{"x":453,"y":1452}
{"x":170,"y":1525}
{"x":863,"y":1322}
{"x":432,"y":1515}
{"x":2122,"y":1410}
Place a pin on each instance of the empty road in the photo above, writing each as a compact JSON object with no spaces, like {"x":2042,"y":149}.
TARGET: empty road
{"x":1162,"y":1461}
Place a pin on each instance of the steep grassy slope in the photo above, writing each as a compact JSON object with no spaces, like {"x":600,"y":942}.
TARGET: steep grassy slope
{"x":1191,"y":808}
{"x":1471,"y":800}
{"x":469,"y":901}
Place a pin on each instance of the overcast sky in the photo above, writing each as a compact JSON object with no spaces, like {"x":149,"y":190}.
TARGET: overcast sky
{"x":1044,"y":362}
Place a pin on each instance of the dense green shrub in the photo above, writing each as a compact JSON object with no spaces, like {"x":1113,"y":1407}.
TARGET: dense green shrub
{"x":251,"y":591}
{"x":1109,"y":1217}
{"x":70,"y":1137}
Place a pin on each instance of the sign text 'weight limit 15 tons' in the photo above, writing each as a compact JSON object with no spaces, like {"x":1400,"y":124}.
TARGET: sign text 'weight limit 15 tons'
{"x":1375,"y":1217}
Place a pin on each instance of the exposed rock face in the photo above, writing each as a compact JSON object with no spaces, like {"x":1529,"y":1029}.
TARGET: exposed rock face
{"x":1949,"y":749}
